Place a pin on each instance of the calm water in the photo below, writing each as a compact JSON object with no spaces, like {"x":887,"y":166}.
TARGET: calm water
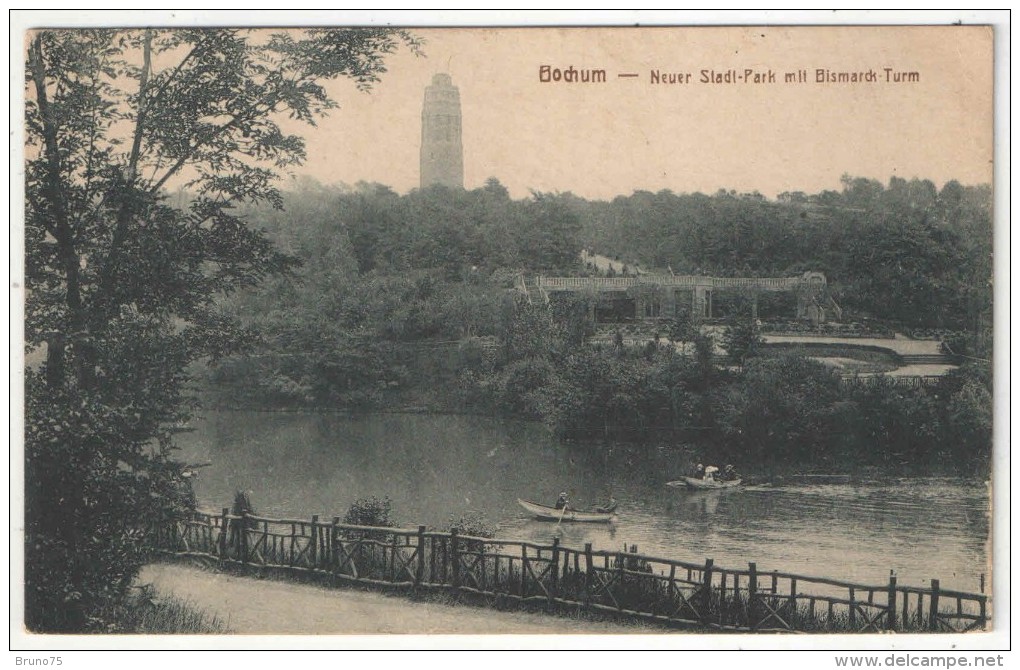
{"x":435,"y":467}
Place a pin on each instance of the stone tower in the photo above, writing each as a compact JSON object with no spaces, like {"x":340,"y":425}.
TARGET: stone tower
{"x":442,"y":155}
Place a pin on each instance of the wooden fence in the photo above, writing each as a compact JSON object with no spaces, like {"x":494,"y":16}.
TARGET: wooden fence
{"x":631,"y":585}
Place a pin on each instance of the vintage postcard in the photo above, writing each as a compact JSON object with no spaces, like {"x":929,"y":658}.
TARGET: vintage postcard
{"x":668,"y":331}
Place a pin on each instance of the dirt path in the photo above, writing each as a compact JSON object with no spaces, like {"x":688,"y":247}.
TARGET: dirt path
{"x":268,"y":607}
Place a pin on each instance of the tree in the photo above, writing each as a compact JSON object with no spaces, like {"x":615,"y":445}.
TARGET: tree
{"x":549,"y":234}
{"x":681,"y":328}
{"x":122,"y":282}
{"x":780,"y":410}
{"x":741,"y":340}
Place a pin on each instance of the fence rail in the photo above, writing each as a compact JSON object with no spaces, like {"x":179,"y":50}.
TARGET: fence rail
{"x":633,"y":585}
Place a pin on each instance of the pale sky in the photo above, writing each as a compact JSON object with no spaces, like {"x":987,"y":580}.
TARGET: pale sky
{"x":603,"y":140}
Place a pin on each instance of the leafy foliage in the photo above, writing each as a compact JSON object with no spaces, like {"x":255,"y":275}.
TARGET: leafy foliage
{"x":904,"y":251}
{"x":382,"y":273}
{"x":741,"y":339}
{"x":122,"y":280}
{"x":473,"y":523}
{"x":777,"y":409}
{"x":371,"y":511}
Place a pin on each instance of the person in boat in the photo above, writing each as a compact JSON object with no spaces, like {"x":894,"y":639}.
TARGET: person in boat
{"x":699,"y":471}
{"x":562,"y":502}
{"x":710,"y":473}
{"x":729,"y":474}
{"x":610,"y":506}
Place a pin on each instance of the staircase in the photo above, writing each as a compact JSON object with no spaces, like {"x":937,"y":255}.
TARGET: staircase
{"x":531,"y":289}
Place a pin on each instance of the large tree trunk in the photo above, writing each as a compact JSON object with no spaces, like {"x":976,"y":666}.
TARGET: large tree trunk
{"x":59,"y":224}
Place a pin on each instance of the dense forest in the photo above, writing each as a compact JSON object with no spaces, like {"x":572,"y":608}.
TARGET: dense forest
{"x":906,"y":252}
{"x":380,"y":273}
{"x":404,"y":300}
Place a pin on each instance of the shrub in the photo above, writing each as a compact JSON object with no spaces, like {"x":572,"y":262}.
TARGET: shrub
{"x":473,"y":523}
{"x":91,"y":493}
{"x":371,"y":512}
{"x":520,"y":382}
{"x":741,"y":340}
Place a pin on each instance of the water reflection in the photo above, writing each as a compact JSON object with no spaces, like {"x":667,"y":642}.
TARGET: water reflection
{"x":434,"y":468}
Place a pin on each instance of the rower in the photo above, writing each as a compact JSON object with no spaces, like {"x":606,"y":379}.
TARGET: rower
{"x":562,"y":502}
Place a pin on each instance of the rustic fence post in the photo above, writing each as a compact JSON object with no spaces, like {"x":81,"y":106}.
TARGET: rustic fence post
{"x":483,"y":584}
{"x":244,"y":536}
{"x":524,"y":571}
{"x":792,"y":615}
{"x":722,"y":591}
{"x":432,"y":559}
{"x":588,"y":568}
{"x":853,"y":610}
{"x":293,"y":540}
{"x":752,"y":592}
{"x":334,"y":537}
{"x":393,"y":557}
{"x":706,"y":588}
{"x":621,"y":562}
{"x":455,"y":558}
{"x":933,"y":606}
{"x":313,"y":550}
{"x":983,"y":612}
{"x":891,"y":621}
{"x":554,"y":571}
{"x":419,"y":569}
{"x":224,"y":537}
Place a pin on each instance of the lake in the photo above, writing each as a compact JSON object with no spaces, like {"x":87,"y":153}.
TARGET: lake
{"x":437,"y":467}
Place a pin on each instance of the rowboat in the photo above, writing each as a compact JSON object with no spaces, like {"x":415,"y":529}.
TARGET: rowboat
{"x":547,"y":513}
{"x":704,"y":484}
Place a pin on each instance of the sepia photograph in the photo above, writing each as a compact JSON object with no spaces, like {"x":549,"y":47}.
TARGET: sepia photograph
{"x":396,"y":329}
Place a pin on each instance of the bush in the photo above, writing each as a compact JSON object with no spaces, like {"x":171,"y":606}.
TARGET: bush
{"x":741,"y":340}
{"x":520,"y":383}
{"x":91,"y":495}
{"x":371,"y":512}
{"x":473,"y":523}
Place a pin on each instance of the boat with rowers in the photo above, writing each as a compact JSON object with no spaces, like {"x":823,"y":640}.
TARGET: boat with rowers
{"x":704,"y":484}
{"x":707,"y":479}
{"x":550,"y":513}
